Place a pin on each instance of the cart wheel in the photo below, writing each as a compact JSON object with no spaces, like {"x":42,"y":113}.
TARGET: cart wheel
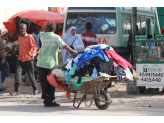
{"x":104,"y":96}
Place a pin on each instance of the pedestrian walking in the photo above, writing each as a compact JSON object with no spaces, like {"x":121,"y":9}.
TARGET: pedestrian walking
{"x":27,"y":52}
{"x":48,"y":59}
{"x":88,"y":37}
{"x":35,"y":35}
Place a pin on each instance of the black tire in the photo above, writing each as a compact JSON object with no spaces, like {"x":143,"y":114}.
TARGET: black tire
{"x":107,"y":98}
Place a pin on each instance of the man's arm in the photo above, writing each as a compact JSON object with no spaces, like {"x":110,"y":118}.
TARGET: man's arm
{"x":33,"y":47}
{"x":69,"y":49}
{"x":7,"y":53}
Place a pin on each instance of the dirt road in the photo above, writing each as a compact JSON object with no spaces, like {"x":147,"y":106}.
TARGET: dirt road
{"x":123,"y":104}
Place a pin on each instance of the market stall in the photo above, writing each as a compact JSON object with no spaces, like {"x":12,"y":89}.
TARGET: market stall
{"x":150,"y":60}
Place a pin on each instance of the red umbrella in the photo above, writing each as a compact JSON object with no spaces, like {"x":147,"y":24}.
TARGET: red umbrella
{"x":39,"y":17}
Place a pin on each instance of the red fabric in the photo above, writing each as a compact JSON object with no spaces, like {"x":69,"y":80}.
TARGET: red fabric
{"x":68,"y":95}
{"x":162,"y":30}
{"x":118,"y":59}
{"x":39,"y":17}
{"x":10,"y":26}
{"x":61,"y":86}
{"x":51,"y":79}
{"x":89,"y":38}
{"x":115,"y":64}
{"x":87,"y":73}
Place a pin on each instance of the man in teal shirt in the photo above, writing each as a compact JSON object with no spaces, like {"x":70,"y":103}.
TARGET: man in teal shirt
{"x":48,"y":59}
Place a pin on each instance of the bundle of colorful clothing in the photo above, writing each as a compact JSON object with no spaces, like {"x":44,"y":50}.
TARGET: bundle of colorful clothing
{"x":96,"y":61}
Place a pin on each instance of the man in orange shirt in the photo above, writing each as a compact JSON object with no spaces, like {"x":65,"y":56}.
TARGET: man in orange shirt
{"x":27,"y":51}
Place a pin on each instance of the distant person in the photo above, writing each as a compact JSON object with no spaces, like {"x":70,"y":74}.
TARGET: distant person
{"x":35,"y":35}
{"x":27,"y":52}
{"x":72,"y":40}
{"x":129,"y":43}
{"x":4,"y":68}
{"x":88,"y":37}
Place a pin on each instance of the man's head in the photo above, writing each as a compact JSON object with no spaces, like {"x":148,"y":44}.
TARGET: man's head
{"x":51,"y":27}
{"x":36,"y":30}
{"x":88,"y":26}
{"x":23,"y":29}
{"x":13,"y":53}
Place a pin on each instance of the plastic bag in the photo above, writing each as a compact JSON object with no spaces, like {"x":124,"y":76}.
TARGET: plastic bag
{"x":104,"y":74}
{"x":59,"y":73}
{"x":94,"y":74}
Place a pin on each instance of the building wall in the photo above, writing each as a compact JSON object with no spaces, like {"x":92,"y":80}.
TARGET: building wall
{"x":7,"y":12}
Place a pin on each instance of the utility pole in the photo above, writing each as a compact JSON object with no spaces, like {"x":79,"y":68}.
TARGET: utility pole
{"x":134,"y":18}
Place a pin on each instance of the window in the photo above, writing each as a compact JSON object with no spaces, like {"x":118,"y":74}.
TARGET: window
{"x":128,"y":23}
{"x":152,"y":20}
{"x":138,"y":23}
{"x":102,"y":23}
{"x":143,"y":25}
{"x":123,"y":24}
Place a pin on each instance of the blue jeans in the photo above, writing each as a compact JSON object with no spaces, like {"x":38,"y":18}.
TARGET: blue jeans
{"x":4,"y":68}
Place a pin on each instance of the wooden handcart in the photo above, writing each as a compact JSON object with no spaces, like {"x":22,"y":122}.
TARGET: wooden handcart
{"x":95,"y":88}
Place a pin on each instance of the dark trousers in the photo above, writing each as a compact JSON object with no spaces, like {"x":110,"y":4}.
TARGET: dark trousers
{"x":4,"y":68}
{"x":28,"y":66}
{"x":47,"y":89}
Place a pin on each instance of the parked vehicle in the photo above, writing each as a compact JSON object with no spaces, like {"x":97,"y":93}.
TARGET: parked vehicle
{"x":112,"y":25}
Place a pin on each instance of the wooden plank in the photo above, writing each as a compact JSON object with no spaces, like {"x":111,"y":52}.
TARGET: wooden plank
{"x":113,"y":78}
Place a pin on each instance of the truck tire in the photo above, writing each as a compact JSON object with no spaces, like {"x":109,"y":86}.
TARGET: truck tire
{"x":102,"y":105}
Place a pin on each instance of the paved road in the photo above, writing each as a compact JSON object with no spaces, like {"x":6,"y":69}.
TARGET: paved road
{"x":123,"y":104}
{"x":132,"y":106}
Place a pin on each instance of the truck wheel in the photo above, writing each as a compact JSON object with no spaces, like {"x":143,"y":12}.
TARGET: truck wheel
{"x":104,"y":96}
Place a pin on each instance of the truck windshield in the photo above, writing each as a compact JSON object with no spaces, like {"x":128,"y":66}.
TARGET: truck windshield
{"x":102,"y":23}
